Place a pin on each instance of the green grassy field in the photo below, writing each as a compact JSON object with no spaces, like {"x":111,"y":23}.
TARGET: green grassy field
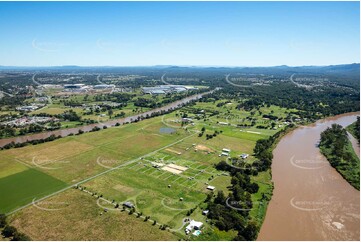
{"x":159,"y":193}
{"x":351,"y":128}
{"x":21,"y":188}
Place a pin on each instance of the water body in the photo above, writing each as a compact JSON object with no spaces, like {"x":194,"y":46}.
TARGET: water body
{"x":311,"y":200}
{"x":87,"y":128}
{"x":166,"y":130}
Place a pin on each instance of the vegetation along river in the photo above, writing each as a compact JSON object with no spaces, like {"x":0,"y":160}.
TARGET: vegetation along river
{"x":311,"y":200}
{"x":87,"y":128}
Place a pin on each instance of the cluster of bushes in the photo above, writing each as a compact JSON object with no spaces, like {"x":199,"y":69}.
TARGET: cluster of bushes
{"x":269,"y":116}
{"x":11,"y":232}
{"x":191,"y":210}
{"x":69,"y":115}
{"x":210,"y":136}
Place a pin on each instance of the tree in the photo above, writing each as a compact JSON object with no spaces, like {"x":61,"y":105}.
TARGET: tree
{"x":110,"y":113}
{"x":3,"y":222}
{"x":9,"y":231}
{"x":20,"y":237}
{"x":250,"y":232}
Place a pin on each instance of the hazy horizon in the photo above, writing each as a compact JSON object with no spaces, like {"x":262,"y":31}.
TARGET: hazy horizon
{"x":170,"y":65}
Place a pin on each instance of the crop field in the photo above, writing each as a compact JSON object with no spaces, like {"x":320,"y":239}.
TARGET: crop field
{"x":163,"y":172}
{"x":22,"y":187}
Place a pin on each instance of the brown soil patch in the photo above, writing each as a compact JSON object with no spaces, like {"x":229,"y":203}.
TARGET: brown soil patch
{"x":204,"y":148}
{"x":174,"y":168}
{"x":174,"y":151}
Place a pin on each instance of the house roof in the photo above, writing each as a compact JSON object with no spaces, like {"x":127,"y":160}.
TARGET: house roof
{"x":193,"y":224}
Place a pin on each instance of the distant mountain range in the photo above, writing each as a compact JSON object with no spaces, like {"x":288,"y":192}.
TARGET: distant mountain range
{"x":345,"y":69}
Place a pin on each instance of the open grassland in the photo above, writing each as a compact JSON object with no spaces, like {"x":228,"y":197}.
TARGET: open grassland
{"x":163,"y":195}
{"x":9,"y":167}
{"x":74,"y":215}
{"x":159,"y":193}
{"x":72,"y":159}
{"x":21,"y":188}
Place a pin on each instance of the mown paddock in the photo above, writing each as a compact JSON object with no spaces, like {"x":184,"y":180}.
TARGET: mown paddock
{"x":9,"y":166}
{"x":72,"y":159}
{"x":149,"y":192}
{"x":148,"y":196}
{"x":75,"y":215}
{"x":108,"y":185}
{"x":147,"y":186}
{"x":21,"y":188}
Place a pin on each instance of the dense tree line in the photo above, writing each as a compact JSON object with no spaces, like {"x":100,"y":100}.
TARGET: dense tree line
{"x":334,"y":144}
{"x":311,"y":104}
{"x":232,"y":211}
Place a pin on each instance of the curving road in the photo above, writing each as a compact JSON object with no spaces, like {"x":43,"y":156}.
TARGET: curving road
{"x":233,"y":84}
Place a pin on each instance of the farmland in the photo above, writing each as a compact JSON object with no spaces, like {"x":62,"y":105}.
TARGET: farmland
{"x":21,"y":188}
{"x":162,"y":165}
{"x":73,"y":215}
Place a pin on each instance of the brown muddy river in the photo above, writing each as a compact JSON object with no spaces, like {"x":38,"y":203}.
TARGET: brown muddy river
{"x":310,"y":201}
{"x":87,"y":128}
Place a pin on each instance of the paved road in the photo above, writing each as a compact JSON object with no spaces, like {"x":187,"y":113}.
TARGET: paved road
{"x":165,"y":82}
{"x":99,"y":174}
{"x":233,"y":84}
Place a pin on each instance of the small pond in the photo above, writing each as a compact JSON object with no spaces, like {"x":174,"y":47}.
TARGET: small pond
{"x":166,"y":130}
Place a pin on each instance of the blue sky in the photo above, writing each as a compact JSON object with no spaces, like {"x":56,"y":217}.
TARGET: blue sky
{"x":179,"y":33}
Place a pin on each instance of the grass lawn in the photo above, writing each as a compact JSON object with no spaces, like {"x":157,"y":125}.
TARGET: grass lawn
{"x":74,"y":158}
{"x":21,"y":188}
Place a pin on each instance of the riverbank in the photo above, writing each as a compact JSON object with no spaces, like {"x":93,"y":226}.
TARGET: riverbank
{"x":311,"y":201}
{"x":354,"y":129}
{"x":337,"y":148}
{"x":269,"y":193}
{"x":116,"y":122}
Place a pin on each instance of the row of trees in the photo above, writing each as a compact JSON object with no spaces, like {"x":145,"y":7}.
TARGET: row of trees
{"x":232,"y":212}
